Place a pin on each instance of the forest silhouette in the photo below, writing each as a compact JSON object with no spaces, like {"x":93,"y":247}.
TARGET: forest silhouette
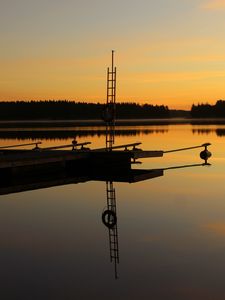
{"x":209,"y":111}
{"x":70,"y":110}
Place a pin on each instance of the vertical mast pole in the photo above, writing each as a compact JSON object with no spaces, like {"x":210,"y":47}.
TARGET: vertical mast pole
{"x":110,"y":105}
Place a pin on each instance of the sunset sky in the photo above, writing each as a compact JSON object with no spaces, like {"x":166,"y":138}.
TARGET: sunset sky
{"x":168,"y":52}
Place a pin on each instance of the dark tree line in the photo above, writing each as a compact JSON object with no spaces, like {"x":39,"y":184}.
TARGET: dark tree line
{"x":70,"y":110}
{"x":209,"y":111}
{"x":145,"y":111}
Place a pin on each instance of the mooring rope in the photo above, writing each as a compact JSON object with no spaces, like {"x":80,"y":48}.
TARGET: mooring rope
{"x":187,"y":166}
{"x":188,"y":148}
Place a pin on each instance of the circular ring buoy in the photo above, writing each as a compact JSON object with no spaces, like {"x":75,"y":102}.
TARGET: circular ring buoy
{"x":109,"y":218}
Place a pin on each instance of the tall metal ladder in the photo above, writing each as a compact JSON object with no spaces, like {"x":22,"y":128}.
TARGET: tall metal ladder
{"x":113,"y":231}
{"x":111,"y":105}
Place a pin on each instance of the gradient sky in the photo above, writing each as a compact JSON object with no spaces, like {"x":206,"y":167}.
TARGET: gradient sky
{"x":168,"y":52}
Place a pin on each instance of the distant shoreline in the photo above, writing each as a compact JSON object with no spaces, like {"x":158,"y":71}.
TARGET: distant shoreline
{"x":99,"y":123}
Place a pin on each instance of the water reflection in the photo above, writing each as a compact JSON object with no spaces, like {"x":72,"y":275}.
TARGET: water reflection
{"x":205,"y":131}
{"x":45,"y":179}
{"x":170,"y":231}
{"x":109,"y":219}
{"x":66,"y":133}
{"x":57,"y":134}
{"x":15,"y":183}
{"x":109,"y":215}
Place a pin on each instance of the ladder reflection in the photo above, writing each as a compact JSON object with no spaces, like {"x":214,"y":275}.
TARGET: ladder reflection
{"x":109,"y":219}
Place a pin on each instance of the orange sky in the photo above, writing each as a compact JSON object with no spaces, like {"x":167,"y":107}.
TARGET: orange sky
{"x":166,"y":53}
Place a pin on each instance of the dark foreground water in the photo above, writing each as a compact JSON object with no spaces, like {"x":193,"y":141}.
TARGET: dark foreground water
{"x":171,"y":229}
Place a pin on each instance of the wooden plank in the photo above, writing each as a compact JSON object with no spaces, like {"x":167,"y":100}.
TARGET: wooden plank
{"x":30,"y":158}
{"x":14,"y":158}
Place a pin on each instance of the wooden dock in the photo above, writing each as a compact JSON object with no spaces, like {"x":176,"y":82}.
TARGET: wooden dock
{"x":13,"y":160}
{"x":77,"y":155}
{"x":78,"y":162}
{"x":22,"y":170}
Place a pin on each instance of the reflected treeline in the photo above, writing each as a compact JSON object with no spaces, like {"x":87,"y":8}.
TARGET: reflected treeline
{"x":63,"y":134}
{"x":219,"y":131}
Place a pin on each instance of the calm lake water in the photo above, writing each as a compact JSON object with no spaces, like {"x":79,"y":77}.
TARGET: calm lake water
{"x":171,"y":229}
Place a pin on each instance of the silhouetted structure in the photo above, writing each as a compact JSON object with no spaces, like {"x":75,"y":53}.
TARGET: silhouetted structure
{"x":70,"y":110}
{"x":209,"y":111}
{"x":109,"y":113}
